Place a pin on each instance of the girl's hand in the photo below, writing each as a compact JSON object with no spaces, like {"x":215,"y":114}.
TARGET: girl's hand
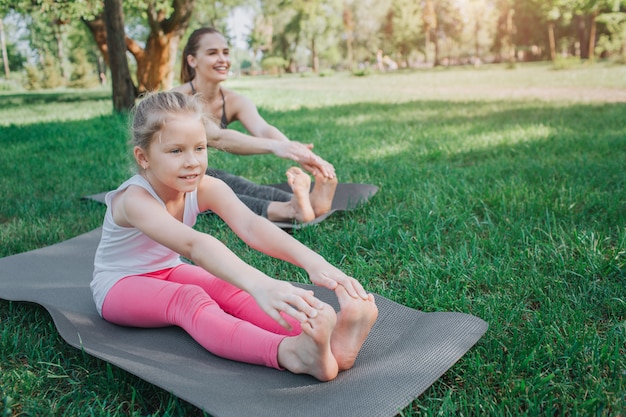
{"x":329,"y":277}
{"x":276,"y":296}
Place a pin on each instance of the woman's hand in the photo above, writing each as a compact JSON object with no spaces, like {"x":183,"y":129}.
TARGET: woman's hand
{"x":329,"y":277}
{"x":303,"y":154}
{"x":317,"y":164}
{"x":275,"y":296}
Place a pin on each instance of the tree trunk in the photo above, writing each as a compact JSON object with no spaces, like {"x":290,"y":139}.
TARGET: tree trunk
{"x":348,"y":24}
{"x":58,"y":35}
{"x":476,"y":39}
{"x":436,"y":42}
{"x":153,"y":66}
{"x":552,"y":41}
{"x":592,"y":35}
{"x":315,"y":61}
{"x":5,"y":56}
{"x":99,"y":33}
{"x":123,"y":88}
{"x":582,"y":30}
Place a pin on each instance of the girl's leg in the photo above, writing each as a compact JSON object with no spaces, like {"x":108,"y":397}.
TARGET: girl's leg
{"x":142,"y":301}
{"x":231,"y":299}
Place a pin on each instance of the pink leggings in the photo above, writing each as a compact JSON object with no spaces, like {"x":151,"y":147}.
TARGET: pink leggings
{"x":222,"y":318}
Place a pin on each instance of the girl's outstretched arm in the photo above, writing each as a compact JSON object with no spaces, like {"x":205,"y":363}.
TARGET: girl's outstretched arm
{"x":135,"y":207}
{"x":262,"y":235}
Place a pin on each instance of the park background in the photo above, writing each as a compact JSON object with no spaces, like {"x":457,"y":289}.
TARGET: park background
{"x":500,"y":167}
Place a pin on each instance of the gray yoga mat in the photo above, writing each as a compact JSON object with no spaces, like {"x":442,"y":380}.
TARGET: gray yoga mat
{"x":406,"y":351}
{"x":348,"y":196}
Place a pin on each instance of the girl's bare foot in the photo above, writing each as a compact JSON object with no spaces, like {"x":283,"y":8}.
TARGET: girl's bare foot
{"x":322,"y":194}
{"x":309,"y":352}
{"x":300,"y":184}
{"x":354,"y":322}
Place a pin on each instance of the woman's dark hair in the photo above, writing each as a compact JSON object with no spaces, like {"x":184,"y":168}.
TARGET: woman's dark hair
{"x":191,"y":48}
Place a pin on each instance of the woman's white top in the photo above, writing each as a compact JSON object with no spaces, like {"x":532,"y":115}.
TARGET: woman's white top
{"x":126,"y":251}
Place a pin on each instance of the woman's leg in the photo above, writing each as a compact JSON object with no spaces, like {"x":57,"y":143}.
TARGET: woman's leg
{"x":257,"y":197}
{"x":143,"y":301}
{"x":270,"y":202}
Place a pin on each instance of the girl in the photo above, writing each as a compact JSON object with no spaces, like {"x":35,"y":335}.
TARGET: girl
{"x":205,"y":66}
{"x":229,"y":307}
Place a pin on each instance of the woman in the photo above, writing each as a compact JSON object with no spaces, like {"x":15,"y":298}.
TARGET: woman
{"x":205,"y":66}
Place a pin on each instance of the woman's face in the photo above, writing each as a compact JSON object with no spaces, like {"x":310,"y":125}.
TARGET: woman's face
{"x":212,"y":59}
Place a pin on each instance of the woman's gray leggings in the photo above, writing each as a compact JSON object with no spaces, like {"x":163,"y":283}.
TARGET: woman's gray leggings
{"x":257,"y":197}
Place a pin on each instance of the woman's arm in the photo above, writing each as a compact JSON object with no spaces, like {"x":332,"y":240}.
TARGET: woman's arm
{"x":242,"y":109}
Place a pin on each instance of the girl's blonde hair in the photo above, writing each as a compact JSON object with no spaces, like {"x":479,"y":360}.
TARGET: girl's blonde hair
{"x":149,"y":116}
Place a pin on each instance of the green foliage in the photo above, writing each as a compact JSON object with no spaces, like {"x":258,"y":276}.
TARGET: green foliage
{"x":326,"y":73}
{"x":612,"y":43}
{"x":273,"y":65}
{"x":512,"y":210}
{"x":50,"y":74}
{"x":362,"y":72}
{"x":32,"y":80}
{"x":83,"y":73}
{"x":9,"y":85}
{"x":563,"y":63}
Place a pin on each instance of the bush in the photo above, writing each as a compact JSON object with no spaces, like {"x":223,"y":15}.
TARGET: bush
{"x":274,"y":65}
{"x":361,"y":72}
{"x":10,"y":85}
{"x":563,"y":63}
{"x":84,"y":73}
{"x":51,"y":73}
{"x":32,"y":79}
{"x":326,"y":73}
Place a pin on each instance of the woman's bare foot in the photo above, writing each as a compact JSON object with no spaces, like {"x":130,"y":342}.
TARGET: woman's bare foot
{"x":300,"y":184}
{"x":322,"y":194}
{"x":309,"y":352}
{"x":354,"y":322}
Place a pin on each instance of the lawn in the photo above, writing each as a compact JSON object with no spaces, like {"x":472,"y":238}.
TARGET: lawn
{"x":502,"y":195}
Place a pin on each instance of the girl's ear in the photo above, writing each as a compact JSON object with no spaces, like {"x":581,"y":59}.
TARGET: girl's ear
{"x":141,"y":158}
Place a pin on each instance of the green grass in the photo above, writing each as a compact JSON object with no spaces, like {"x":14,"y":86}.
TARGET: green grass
{"x":501,"y":195}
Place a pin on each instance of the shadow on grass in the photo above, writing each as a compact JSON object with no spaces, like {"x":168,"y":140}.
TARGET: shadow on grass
{"x":28,"y":99}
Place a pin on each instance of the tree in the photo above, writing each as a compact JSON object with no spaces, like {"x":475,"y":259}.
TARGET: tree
{"x":479,"y":26}
{"x":615,"y":40}
{"x":593,"y":9}
{"x":505,"y":30}
{"x":403,"y":29}
{"x":123,"y":88}
{"x":449,"y":25}
{"x":368,"y":18}
{"x":429,"y":20}
{"x":5,"y":55}
{"x":155,"y":61}
{"x":348,"y":31}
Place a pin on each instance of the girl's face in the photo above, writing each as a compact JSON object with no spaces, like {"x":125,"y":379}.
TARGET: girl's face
{"x":212,"y":59}
{"x":177,"y":158}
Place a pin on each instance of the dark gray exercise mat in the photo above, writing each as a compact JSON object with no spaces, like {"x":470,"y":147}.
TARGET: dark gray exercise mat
{"x":348,"y":196}
{"x":404,"y":354}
